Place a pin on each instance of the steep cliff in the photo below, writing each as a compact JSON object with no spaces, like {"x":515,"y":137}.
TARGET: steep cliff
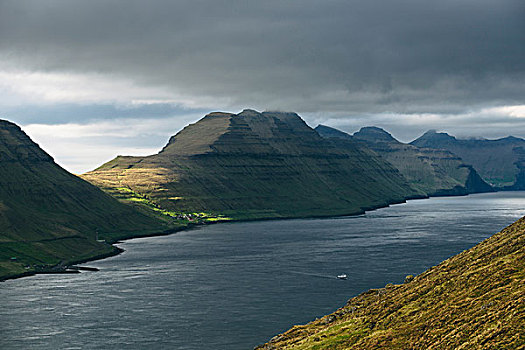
{"x":255,"y":165}
{"x":500,"y":162}
{"x":432,"y":172}
{"x":48,"y":215}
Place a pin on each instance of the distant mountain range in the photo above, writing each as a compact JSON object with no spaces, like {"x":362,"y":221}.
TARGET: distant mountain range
{"x":500,"y":162}
{"x":431,"y":172}
{"x":256,"y":165}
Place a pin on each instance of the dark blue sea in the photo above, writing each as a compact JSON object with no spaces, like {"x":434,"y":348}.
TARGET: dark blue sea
{"x":235,"y":285}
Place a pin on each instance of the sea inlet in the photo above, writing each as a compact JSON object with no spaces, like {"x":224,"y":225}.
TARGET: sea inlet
{"x":235,"y":285}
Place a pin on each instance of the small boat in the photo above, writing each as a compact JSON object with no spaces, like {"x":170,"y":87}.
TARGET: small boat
{"x":342,"y":277}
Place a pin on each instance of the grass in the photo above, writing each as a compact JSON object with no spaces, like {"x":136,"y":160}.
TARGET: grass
{"x":254,"y":166}
{"x":49,"y":216}
{"x":474,"y":300}
{"x":33,"y":257}
{"x":127,"y":195}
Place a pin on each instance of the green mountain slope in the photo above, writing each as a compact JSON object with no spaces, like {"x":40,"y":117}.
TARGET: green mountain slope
{"x":474,"y":300}
{"x":432,"y":172}
{"x":500,"y":162}
{"x":49,"y":216}
{"x":254,"y":165}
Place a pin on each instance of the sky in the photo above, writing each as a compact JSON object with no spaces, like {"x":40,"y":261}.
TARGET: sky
{"x":89,"y":80}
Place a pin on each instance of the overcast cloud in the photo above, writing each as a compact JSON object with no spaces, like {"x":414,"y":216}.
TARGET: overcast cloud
{"x":454,"y":65}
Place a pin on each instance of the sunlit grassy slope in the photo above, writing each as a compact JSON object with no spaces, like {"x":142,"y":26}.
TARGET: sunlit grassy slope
{"x":474,"y":300}
{"x":49,"y":216}
{"x":255,"y":165}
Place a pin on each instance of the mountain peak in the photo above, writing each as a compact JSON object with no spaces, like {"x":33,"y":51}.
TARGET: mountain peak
{"x":198,"y":138}
{"x":374,"y":134}
{"x":249,"y":113}
{"x":511,"y":139}
{"x":218,"y":115}
{"x":441,"y":135}
{"x":431,"y":137}
{"x":249,"y":131}
{"x":15,"y":145}
{"x":4,"y":122}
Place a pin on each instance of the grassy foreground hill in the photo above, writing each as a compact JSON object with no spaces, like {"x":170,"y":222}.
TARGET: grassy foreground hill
{"x":49,"y":216}
{"x":500,"y":162}
{"x":254,"y":165}
{"x":474,"y":300}
{"x":431,"y":172}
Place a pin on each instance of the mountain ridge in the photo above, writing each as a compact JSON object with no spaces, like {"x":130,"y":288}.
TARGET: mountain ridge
{"x":257,"y":165}
{"x":431,"y":172}
{"x":374,"y":134}
{"x":51,"y":217}
{"x":500,"y":162}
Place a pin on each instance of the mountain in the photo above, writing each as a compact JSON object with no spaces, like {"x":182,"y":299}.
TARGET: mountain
{"x":473,"y":300}
{"x":431,"y":172}
{"x":254,"y":165}
{"x":500,"y":162}
{"x":49,"y":216}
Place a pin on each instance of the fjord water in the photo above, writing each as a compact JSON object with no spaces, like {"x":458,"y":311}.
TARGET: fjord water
{"x":235,"y":285}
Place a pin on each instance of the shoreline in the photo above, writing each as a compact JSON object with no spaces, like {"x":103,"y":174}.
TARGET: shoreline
{"x":62,"y":269}
{"x":425,"y":298}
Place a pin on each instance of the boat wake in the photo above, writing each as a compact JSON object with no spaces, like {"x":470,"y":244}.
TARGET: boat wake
{"x":315,"y":275}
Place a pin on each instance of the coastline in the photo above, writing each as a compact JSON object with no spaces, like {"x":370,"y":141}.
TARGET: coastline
{"x":187,"y":266}
{"x":468,"y":288}
{"x":65,"y":266}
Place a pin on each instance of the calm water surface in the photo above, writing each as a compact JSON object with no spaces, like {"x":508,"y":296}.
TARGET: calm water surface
{"x":233,"y":286}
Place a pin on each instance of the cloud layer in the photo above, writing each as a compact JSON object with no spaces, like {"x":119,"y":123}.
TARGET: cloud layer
{"x":352,"y":56}
{"x":345,"y":61}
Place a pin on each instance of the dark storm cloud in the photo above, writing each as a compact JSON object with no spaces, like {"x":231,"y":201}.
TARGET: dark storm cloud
{"x":354,"y":56}
{"x":62,"y":113}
